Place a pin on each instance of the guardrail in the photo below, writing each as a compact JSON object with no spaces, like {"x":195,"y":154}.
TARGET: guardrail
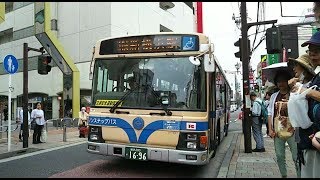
{"x":59,"y":123}
{"x":7,"y":127}
{"x":63,"y":123}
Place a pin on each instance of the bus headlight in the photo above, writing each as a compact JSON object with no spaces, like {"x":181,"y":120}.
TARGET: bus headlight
{"x":192,"y":145}
{"x":95,"y":134}
{"x":94,"y":129}
{"x":93,"y":137}
{"x":191,"y":137}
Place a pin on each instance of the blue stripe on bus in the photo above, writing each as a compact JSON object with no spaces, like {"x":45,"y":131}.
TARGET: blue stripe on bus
{"x":148,"y":130}
{"x":156,"y":125}
{"x":107,"y":121}
{"x":200,"y":126}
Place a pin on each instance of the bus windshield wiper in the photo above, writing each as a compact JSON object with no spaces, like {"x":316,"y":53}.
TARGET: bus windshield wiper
{"x":113,"y":108}
{"x":168,"y":112}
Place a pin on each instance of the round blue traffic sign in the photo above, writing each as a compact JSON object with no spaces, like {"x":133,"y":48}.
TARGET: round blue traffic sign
{"x":10,"y":64}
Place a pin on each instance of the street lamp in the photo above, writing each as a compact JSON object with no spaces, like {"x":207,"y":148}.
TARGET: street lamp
{"x":238,"y":65}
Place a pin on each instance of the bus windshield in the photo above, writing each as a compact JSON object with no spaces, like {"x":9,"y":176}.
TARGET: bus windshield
{"x":150,"y":79}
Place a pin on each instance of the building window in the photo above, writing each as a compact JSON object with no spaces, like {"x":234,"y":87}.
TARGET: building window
{"x":9,"y":6}
{"x":166,"y":5}
{"x":189,"y":4}
{"x":164,"y":29}
{"x":6,"y":36}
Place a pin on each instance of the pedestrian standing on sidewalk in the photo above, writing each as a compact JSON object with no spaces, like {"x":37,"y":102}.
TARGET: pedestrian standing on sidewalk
{"x":257,"y":123}
{"x":21,"y":124}
{"x":281,"y":81}
{"x":5,"y":113}
{"x":310,"y":156}
{"x":267,"y":101}
{"x":83,"y":115}
{"x":38,"y":115}
{"x":303,"y":73}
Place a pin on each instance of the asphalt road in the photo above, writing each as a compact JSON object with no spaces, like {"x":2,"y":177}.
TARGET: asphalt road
{"x":74,"y":161}
{"x":235,"y":124}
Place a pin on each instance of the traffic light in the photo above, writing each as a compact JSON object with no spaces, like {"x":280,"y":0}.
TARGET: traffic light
{"x":43,"y":64}
{"x":273,"y":40}
{"x":238,"y":44}
{"x":256,"y":87}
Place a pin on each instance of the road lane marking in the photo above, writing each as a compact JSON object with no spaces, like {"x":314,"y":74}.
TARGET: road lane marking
{"x":40,"y":152}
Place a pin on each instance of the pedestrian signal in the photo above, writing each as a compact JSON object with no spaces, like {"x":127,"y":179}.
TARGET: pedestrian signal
{"x":43,"y":64}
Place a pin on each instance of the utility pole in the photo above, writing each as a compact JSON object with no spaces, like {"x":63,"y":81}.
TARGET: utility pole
{"x":25,"y":130}
{"x":247,"y":121}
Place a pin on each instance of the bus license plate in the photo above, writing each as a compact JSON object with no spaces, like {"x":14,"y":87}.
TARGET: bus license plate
{"x":136,"y":153}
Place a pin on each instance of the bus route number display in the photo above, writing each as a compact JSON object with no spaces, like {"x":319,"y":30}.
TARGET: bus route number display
{"x":150,"y":44}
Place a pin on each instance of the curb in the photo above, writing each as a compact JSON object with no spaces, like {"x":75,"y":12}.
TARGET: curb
{"x":223,"y":171}
{"x":40,"y":152}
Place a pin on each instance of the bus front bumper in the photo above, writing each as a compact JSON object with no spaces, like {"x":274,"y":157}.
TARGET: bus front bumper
{"x":154,"y":154}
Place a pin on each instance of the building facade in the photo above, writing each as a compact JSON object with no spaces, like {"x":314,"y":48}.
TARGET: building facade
{"x":78,"y":25}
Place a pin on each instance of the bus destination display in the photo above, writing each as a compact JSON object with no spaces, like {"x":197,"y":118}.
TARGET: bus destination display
{"x":150,"y":44}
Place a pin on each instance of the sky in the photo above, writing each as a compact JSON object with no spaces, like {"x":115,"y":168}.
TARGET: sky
{"x":219,"y":26}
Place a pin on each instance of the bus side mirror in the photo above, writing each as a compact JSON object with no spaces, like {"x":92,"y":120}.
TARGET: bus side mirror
{"x":209,"y":60}
{"x":194,"y":60}
{"x":209,"y":65}
{"x":207,"y":51}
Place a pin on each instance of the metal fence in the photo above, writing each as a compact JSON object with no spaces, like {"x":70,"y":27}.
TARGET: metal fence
{"x":62,"y":123}
{"x":6,"y":127}
{"x":59,"y":123}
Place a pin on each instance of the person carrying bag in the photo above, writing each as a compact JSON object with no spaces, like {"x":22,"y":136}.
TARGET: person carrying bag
{"x":282,"y":123}
{"x":279,"y":123}
{"x":43,"y":137}
{"x":298,"y":108}
{"x":33,"y":123}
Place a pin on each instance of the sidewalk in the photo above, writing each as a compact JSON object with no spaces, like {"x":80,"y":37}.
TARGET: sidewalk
{"x":255,"y":164}
{"x":54,"y":139}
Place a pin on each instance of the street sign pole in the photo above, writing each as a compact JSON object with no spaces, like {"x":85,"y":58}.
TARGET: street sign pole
{"x":9,"y":115}
{"x":11,"y":65}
